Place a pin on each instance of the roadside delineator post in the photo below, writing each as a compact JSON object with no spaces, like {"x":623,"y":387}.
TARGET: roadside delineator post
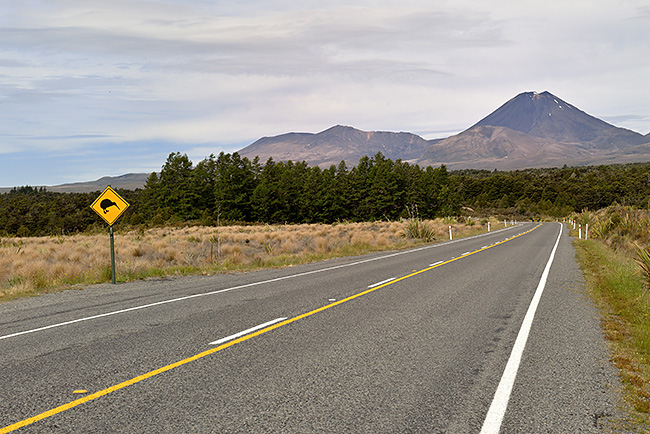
{"x":450,"y":236}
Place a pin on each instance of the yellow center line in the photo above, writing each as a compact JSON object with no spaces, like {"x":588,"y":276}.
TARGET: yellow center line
{"x":169,"y":367}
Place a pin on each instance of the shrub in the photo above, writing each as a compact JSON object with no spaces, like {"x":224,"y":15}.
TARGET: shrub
{"x":643,"y":259}
{"x":416,"y":228}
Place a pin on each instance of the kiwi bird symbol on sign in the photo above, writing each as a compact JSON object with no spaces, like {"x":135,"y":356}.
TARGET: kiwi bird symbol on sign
{"x":106,"y":203}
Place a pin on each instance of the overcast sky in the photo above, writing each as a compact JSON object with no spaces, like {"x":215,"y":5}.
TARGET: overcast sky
{"x":90,"y":88}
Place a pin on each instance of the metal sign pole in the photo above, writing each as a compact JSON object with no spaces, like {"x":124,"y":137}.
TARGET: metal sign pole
{"x":112,"y":256}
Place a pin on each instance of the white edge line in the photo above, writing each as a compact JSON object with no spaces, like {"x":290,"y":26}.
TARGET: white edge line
{"x":497,"y":411}
{"x":277,"y":279}
{"x":245,"y":332}
{"x":381,"y":283}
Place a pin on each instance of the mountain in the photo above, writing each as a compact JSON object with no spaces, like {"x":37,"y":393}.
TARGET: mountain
{"x":336,"y":144}
{"x":545,"y":115}
{"x":538,"y":130}
{"x":530,"y":130}
{"x":130,"y":181}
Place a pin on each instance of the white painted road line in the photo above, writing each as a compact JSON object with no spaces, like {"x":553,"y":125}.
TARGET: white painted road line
{"x":466,"y":253}
{"x":436,"y":263}
{"x":494,"y":417}
{"x":245,"y":332}
{"x":381,"y":283}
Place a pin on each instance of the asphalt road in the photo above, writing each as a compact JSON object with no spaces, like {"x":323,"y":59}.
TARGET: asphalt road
{"x":413,"y":341}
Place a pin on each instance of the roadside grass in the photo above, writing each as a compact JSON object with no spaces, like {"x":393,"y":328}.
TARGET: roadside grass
{"x":31,"y":266}
{"x":616,"y":284}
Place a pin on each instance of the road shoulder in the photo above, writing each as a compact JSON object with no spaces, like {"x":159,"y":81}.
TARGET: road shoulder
{"x":566,"y":381}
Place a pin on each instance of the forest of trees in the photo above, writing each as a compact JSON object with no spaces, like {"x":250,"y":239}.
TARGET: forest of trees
{"x":227,"y":188}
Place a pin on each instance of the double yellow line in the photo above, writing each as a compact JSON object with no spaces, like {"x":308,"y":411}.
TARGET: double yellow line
{"x":169,"y":367}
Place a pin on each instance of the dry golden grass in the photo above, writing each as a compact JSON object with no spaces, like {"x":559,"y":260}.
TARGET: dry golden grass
{"x":32,"y":265}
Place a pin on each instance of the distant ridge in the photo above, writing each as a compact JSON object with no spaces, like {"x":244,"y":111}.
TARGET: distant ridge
{"x":336,"y":144}
{"x":130,"y":181}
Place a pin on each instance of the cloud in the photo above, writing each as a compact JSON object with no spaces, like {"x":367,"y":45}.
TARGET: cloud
{"x":79,"y":75}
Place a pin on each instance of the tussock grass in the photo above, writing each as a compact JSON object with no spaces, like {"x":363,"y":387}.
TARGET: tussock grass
{"x":417,"y":228}
{"x":32,"y":265}
{"x":421,"y":230}
{"x":643,"y":261}
{"x":620,"y":227}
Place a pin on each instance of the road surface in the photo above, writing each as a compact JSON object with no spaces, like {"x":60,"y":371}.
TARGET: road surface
{"x":487,"y":334}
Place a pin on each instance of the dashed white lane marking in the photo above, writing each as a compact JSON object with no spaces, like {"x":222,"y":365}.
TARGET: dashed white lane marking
{"x":245,"y":332}
{"x":381,"y":283}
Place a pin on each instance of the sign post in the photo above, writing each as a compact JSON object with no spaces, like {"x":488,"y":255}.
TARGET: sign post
{"x":110,"y":206}
{"x":112,"y":255}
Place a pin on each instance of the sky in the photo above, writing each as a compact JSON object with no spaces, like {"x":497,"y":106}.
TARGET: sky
{"x":93,"y":88}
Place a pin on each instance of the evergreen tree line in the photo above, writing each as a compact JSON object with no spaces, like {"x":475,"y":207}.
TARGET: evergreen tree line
{"x":228,"y":188}
{"x":28,"y":211}
{"x":231,"y":188}
{"x":554,"y":192}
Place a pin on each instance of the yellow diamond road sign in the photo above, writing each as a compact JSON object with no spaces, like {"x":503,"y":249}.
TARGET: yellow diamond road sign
{"x":109,"y":205}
